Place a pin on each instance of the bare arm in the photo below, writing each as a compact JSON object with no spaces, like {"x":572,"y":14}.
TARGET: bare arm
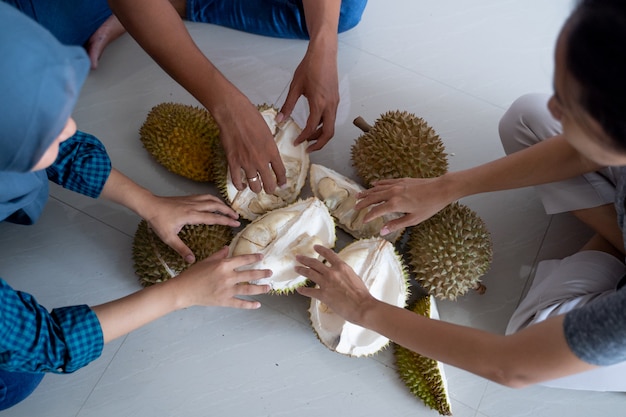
{"x":537,"y":353}
{"x":548,"y":161}
{"x":316,"y":77}
{"x":211,"y":282}
{"x":249,"y":145}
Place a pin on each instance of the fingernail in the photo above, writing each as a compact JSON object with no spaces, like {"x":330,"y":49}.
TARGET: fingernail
{"x":190,"y":259}
{"x":280,"y":117}
{"x":384,"y":231}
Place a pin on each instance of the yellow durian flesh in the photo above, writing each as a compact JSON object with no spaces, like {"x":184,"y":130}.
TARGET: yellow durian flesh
{"x":450,"y":252}
{"x":154,"y":261}
{"x":424,"y":377}
{"x":381,"y":269}
{"x":181,"y":138}
{"x":282,"y":234}
{"x":399,"y":145}
{"x":339,"y":194}
{"x":251,"y":205}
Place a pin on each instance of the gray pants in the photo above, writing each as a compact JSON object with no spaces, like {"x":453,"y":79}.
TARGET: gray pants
{"x":562,"y":285}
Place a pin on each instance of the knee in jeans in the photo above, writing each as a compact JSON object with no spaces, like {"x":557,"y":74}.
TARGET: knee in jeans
{"x":351,"y":12}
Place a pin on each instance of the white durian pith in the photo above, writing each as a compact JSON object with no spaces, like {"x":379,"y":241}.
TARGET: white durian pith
{"x":251,"y":205}
{"x":339,"y":192}
{"x":377,"y":264}
{"x":282,"y":234}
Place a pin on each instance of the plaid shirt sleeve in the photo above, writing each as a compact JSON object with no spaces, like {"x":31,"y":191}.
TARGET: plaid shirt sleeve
{"x":34,"y":340}
{"x":83,"y":165}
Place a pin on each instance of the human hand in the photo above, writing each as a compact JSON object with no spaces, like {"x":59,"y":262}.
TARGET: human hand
{"x":316,"y":79}
{"x":253,"y":157}
{"x":168,"y":215}
{"x":216,"y":281}
{"x":418,"y":198}
{"x":338,"y":286}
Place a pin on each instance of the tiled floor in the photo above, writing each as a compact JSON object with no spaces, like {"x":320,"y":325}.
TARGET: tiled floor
{"x":459,"y":65}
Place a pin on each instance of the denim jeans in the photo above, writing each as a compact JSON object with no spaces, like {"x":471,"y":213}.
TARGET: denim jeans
{"x":15,"y":386}
{"x":74,"y":21}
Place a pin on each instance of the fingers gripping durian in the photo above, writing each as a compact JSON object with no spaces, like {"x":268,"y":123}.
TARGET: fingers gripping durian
{"x":249,"y":204}
{"x":425,"y":377}
{"x":282,"y":234}
{"x":339,"y":195}
{"x":382,"y":271}
{"x":154,"y":261}
{"x":450,"y":252}
{"x":399,"y":145}
{"x":181,"y":138}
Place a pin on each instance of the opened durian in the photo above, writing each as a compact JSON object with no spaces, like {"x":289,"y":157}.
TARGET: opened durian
{"x":450,"y":252}
{"x":339,"y":194}
{"x":399,"y":145}
{"x":425,"y":377}
{"x":282,"y":234}
{"x":381,"y":269}
{"x":154,"y":261}
{"x":251,"y":205}
{"x":181,"y":137}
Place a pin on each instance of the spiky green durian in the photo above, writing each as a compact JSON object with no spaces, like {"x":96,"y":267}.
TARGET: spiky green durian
{"x":181,"y":138}
{"x":381,"y":268}
{"x":399,"y":145}
{"x":154,"y":261}
{"x":424,"y":377}
{"x":450,"y":252}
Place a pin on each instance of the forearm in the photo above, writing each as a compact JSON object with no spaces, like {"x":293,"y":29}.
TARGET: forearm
{"x":536,"y":354}
{"x":549,"y":161}
{"x":322,"y":20}
{"x":122,"y":190}
{"x":160,"y":31}
{"x":124,"y":315}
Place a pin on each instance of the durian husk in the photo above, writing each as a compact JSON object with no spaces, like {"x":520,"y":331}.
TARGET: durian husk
{"x":282,"y":234}
{"x":399,"y":145}
{"x":156,"y":262}
{"x":251,"y":205}
{"x":382,"y":270}
{"x":424,"y":377}
{"x":181,"y":138}
{"x":450,"y":252}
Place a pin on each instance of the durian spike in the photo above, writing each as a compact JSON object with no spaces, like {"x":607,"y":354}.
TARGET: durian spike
{"x":362,"y":124}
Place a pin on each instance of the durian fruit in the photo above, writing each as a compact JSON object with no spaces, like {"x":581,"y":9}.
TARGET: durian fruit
{"x":251,"y":205}
{"x":339,"y":194}
{"x":450,"y":252}
{"x":376,"y":262}
{"x":154,"y":261}
{"x":399,"y":145}
{"x":425,"y":377}
{"x":181,"y":137}
{"x":280,"y":235}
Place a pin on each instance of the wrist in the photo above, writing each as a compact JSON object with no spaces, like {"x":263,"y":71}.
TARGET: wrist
{"x":454,"y":186}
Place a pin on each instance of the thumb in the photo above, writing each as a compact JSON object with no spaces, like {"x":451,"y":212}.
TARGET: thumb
{"x":183,"y":250}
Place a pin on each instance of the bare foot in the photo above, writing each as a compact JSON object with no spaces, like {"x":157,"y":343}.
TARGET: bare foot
{"x":110,"y":30}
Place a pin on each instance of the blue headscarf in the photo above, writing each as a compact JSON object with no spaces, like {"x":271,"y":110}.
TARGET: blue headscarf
{"x":39,"y":84}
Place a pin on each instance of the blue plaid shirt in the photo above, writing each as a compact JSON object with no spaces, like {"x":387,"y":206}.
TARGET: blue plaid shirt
{"x":66,"y":339}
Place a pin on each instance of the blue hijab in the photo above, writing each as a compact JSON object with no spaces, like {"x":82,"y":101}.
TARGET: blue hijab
{"x":39,"y":84}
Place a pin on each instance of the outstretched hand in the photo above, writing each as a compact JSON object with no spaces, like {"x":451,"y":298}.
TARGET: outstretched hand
{"x":338,"y":286}
{"x":217,"y":281}
{"x":315,"y":78}
{"x":169,"y":215}
{"x":253,"y":158}
{"x":418,"y":198}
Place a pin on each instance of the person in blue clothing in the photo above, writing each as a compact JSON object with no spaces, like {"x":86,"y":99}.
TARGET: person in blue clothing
{"x":156,"y":25}
{"x":570,"y":329}
{"x":39,"y":83}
